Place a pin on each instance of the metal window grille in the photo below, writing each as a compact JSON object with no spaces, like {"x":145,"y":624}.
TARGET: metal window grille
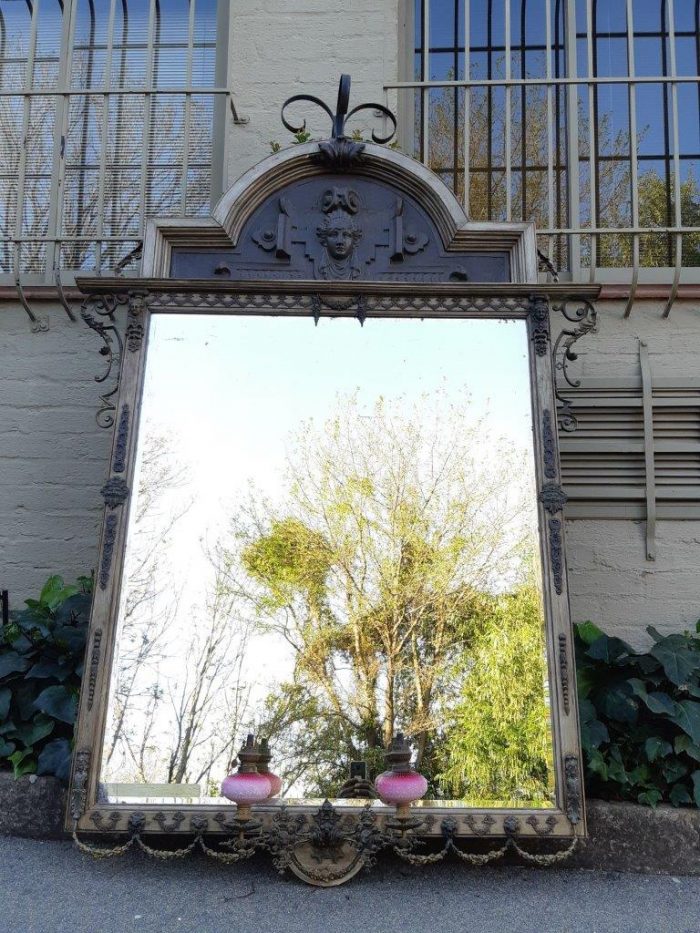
{"x":107,"y":117}
{"x":582,"y":115}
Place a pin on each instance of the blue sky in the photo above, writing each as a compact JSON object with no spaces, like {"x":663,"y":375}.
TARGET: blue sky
{"x":235,"y":388}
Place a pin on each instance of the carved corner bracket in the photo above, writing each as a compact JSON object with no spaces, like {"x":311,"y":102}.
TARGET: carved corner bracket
{"x":99,"y":312}
{"x":583,"y":314}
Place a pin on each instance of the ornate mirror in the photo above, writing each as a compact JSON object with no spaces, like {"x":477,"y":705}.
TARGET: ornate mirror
{"x":331,"y":609}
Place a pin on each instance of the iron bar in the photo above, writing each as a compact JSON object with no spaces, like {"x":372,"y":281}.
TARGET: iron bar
{"x":678,"y":215}
{"x":634,"y":174}
{"x":536,"y":82}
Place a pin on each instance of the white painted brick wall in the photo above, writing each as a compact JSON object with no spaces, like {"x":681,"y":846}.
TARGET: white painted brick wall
{"x":613,"y":585}
{"x":53,"y":457}
{"x":611,"y":582}
{"x":280,"y":48}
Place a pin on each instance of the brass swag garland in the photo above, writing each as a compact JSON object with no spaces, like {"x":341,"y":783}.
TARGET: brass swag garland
{"x":324,"y":848}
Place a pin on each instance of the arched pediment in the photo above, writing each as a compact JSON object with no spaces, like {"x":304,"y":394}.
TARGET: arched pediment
{"x":340,"y":211}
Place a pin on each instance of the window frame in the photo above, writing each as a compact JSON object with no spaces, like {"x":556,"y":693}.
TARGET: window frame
{"x":407,"y":86}
{"x":56,"y":271}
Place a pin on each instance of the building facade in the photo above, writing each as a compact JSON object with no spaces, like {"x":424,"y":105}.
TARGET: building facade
{"x":581,"y":115}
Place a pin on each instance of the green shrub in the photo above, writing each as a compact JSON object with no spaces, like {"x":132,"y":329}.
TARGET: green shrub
{"x":41,"y":665}
{"x":640,"y":717}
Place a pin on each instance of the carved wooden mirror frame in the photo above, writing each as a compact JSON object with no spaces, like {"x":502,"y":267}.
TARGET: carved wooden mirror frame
{"x":261,"y":253}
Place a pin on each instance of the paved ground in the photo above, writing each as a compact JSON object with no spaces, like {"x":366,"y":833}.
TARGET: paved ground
{"x":48,"y":887}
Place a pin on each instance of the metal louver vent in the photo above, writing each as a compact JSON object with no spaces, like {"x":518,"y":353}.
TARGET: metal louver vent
{"x":603,"y":462}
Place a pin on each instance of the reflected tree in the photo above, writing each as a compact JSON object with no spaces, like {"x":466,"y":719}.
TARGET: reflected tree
{"x":150,"y":604}
{"x":496,"y":738}
{"x":401,"y":527}
{"x":178,"y":695}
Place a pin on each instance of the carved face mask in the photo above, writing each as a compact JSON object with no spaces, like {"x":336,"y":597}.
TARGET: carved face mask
{"x":339,"y":242}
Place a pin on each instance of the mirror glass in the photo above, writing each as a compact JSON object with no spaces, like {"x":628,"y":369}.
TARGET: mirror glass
{"x":332,"y":538}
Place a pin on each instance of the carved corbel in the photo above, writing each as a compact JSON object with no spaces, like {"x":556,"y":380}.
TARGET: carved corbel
{"x":581,"y":313}
{"x":135,"y":328}
{"x":98,"y":312}
{"x":538,"y":320}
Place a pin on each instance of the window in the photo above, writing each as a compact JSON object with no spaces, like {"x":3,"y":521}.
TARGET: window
{"x":582,"y":115}
{"x":106,"y":118}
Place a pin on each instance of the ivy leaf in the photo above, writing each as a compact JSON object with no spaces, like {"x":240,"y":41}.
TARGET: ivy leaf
{"x":661,"y":703}
{"x":59,"y":702}
{"x":48,"y":668}
{"x":6,"y":748}
{"x":55,"y":759}
{"x":587,"y":711}
{"x":616,"y":768}
{"x":12,"y":663}
{"x":585,"y":681}
{"x":70,"y":638}
{"x":695,"y":777}
{"x":32,"y":732}
{"x":657,"y":748}
{"x":650,"y":797}
{"x":596,"y":764}
{"x":24,"y":694}
{"x":688,"y":718}
{"x":588,"y":632}
{"x":674,"y":770}
{"x":679,"y":795}
{"x":618,"y":704}
{"x":607,"y":649}
{"x":683,"y":743}
{"x":55,"y":592}
{"x":22,"y":762}
{"x":5,"y":697}
{"x":594,"y":733}
{"x":679,"y":663}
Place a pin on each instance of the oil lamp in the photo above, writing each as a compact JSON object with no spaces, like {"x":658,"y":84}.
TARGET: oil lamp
{"x":264,"y":759}
{"x":247,"y":786}
{"x":402,"y":784}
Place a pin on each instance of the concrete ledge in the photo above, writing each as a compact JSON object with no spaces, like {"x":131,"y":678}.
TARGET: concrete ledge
{"x":32,"y":806}
{"x":628,"y":837}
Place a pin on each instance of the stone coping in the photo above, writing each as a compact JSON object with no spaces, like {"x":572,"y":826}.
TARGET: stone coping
{"x":32,"y":806}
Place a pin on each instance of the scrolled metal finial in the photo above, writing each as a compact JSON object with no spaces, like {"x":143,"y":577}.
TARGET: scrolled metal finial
{"x":341,"y":115}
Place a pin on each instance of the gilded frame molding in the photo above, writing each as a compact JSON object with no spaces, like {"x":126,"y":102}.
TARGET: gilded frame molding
{"x":126,"y":350}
